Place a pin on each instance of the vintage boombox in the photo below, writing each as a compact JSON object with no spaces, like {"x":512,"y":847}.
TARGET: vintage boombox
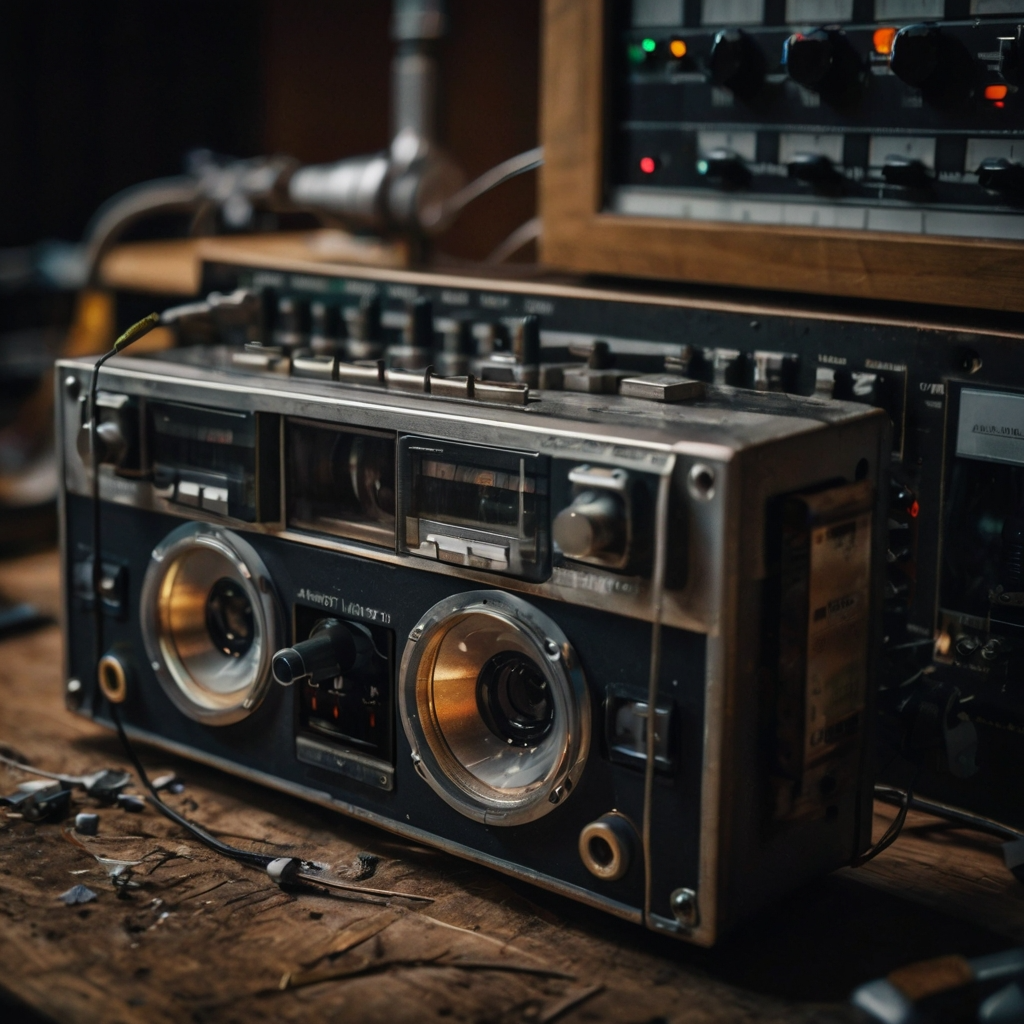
{"x":595,"y":622}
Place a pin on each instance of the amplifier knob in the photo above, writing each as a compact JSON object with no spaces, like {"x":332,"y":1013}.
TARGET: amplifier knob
{"x":333,"y":648}
{"x":736,"y":62}
{"x":906,"y":173}
{"x":938,"y":64}
{"x":824,"y":61}
{"x":1001,"y":176}
{"x":813,"y":169}
{"x":592,"y":524}
{"x":723,"y":168}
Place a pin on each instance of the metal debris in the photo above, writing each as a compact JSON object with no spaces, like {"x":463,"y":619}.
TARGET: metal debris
{"x":77,"y":894}
{"x":103,"y":785}
{"x":130,"y":803}
{"x":169,"y":782}
{"x":87,"y":824}
{"x":37,"y":801}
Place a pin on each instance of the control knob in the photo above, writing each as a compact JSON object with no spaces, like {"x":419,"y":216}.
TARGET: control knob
{"x":815,"y":169}
{"x":935,"y":62}
{"x":1001,"y":176}
{"x":825,"y":62}
{"x":333,"y":648}
{"x":724,"y":168}
{"x":736,"y":62}
{"x":593,"y":524}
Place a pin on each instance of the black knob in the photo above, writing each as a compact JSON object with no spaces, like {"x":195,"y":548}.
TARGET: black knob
{"x":1001,"y":176}
{"x":526,"y":340}
{"x":905,"y":172}
{"x":292,"y":322}
{"x":419,"y":327}
{"x":813,"y":169}
{"x":364,"y":329}
{"x":824,"y":61}
{"x":736,"y":62}
{"x":724,"y":168}
{"x":325,"y":327}
{"x":938,"y":64}
{"x":333,"y":648}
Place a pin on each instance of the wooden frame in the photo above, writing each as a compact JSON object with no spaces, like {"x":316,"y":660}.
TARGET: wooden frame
{"x":578,"y":236}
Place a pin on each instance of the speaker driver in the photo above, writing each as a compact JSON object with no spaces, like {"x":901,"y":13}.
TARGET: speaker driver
{"x":495,"y":707}
{"x":210,"y":623}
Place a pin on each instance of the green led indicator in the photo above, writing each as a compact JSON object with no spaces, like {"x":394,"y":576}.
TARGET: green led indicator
{"x":649,"y":45}
{"x":702,"y":167}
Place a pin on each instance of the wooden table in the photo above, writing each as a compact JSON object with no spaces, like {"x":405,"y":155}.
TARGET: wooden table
{"x":203,"y":939}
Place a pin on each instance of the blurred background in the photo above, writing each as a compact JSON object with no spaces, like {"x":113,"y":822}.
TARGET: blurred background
{"x":98,"y":95}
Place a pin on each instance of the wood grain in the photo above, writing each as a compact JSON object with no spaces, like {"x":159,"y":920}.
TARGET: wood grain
{"x":208,"y":940}
{"x":578,"y":236}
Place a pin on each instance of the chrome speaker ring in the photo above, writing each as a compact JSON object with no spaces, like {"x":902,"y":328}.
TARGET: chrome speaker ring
{"x":190,"y":568}
{"x":448,"y":708}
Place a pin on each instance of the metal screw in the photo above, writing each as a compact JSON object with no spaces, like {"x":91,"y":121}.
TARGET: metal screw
{"x":74,"y":686}
{"x":701,"y":482}
{"x":684,"y":907}
{"x":552,"y":648}
{"x":416,"y":633}
{"x":72,"y":386}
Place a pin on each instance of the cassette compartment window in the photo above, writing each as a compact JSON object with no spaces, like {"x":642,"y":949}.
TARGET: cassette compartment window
{"x":485,"y":508}
{"x":341,"y":481}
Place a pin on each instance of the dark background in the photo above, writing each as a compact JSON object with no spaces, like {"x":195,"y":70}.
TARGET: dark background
{"x":97,"y":95}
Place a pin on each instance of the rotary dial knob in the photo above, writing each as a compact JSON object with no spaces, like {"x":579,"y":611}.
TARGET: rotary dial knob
{"x":933,"y":61}
{"x":593,"y":524}
{"x":825,"y":62}
{"x":736,"y":62}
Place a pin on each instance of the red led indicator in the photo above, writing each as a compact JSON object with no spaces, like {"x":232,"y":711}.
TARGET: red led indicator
{"x":648,"y":164}
{"x":373,"y":720}
{"x":996,"y":92}
{"x":914,"y":509}
{"x":999,"y":103}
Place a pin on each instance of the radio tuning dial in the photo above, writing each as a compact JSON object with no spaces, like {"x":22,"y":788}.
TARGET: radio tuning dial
{"x":593,"y":524}
{"x":825,"y":62}
{"x":736,"y":63}
{"x":933,"y":61}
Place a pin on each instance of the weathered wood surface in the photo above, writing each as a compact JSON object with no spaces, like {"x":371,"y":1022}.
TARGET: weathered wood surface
{"x":203,"y":939}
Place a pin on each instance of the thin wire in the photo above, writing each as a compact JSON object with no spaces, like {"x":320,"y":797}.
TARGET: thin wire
{"x":523,"y":235}
{"x":497,"y":175}
{"x":657,"y":596}
{"x":892,"y":833}
{"x":954,"y":815}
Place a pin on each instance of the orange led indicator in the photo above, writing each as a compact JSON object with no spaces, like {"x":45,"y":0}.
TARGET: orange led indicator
{"x":882,"y":39}
{"x":335,"y":711}
{"x":677,"y":47}
{"x":914,"y":509}
{"x":312,"y":703}
{"x":996,"y":92}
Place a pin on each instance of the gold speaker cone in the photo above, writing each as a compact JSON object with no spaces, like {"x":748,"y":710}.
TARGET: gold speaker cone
{"x":495,"y":707}
{"x":209,"y":625}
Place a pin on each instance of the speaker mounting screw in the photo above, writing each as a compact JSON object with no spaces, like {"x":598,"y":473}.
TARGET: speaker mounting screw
{"x":684,"y":907}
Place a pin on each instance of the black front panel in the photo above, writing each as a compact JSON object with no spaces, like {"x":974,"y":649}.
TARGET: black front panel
{"x":284,"y":737}
{"x":883,"y":116}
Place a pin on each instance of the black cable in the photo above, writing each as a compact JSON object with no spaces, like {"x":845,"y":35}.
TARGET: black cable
{"x":133,"y":334}
{"x":891,"y":834}
{"x":256,"y":860}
